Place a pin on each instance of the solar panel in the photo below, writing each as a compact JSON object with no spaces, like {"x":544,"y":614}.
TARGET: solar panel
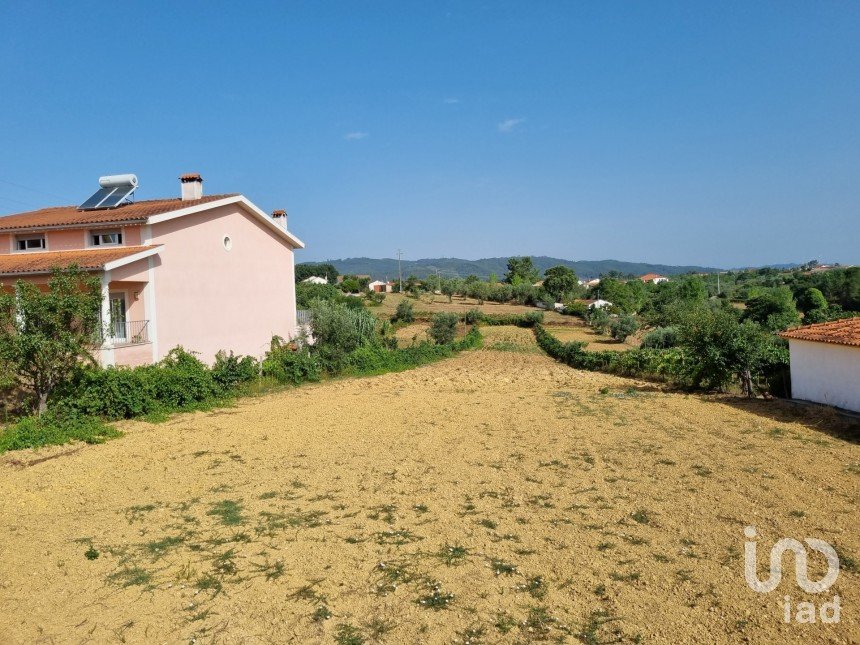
{"x":113,"y":192}
{"x":94,"y":201}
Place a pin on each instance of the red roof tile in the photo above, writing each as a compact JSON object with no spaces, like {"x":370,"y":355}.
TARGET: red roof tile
{"x":44,"y":261}
{"x":190,"y":176}
{"x":71,"y":216}
{"x":838,"y":332}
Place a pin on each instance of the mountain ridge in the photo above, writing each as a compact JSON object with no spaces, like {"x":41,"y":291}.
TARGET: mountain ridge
{"x":382,"y":268}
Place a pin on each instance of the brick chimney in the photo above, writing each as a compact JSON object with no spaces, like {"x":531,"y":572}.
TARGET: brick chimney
{"x":192,"y":186}
{"x":280,"y":217}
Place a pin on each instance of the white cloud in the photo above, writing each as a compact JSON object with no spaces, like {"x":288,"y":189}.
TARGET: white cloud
{"x":452,"y":101}
{"x":508,"y":125}
{"x":355,"y":136}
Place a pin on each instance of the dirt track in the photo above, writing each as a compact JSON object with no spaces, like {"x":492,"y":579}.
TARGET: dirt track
{"x":552,"y":504}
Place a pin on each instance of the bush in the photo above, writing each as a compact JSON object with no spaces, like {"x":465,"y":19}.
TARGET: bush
{"x":622,"y":327}
{"x":661,"y":338}
{"x":598,"y":319}
{"x":375,"y":298}
{"x":443,"y":328}
{"x":404,"y":312}
{"x":287,"y":365}
{"x":55,"y":428}
{"x":230,"y":370}
{"x":339,"y":330}
{"x":527,"y":320}
{"x":179,"y":381}
{"x":575,"y":308}
{"x":472,"y":317}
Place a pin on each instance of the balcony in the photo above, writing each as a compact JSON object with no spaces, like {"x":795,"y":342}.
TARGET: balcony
{"x":126,"y":332}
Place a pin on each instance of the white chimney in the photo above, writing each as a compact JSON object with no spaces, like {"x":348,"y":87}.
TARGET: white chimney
{"x":280,"y":217}
{"x":192,"y":186}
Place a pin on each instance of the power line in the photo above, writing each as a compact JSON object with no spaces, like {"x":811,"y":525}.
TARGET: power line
{"x":33,"y":190}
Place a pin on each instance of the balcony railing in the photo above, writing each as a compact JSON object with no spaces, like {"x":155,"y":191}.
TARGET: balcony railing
{"x":131,"y":332}
{"x":303,"y":317}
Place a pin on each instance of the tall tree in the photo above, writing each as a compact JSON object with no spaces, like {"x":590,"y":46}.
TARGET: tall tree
{"x":521,"y":270}
{"x":560,"y":282}
{"x":45,"y":335}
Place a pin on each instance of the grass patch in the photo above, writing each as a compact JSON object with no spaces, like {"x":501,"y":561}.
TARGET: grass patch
{"x":130,"y":577}
{"x":52,"y":429}
{"x":453,"y":555}
{"x":229,"y":512}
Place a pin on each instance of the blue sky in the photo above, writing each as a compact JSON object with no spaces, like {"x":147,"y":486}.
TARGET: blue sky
{"x":723,"y":134}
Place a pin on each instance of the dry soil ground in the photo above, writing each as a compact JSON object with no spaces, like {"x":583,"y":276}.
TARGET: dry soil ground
{"x":436,"y":303}
{"x":497,"y":496}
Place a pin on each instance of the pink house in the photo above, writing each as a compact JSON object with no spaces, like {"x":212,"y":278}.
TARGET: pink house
{"x":208,"y":273}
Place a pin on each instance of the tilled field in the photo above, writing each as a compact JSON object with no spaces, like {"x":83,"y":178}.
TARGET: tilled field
{"x":494,"y":497}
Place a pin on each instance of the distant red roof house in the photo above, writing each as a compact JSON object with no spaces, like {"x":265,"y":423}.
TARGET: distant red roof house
{"x":656,"y":278}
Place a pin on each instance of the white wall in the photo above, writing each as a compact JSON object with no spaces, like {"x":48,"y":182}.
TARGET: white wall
{"x":825,"y":373}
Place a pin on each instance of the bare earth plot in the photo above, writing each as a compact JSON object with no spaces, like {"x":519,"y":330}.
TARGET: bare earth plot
{"x":497,"y":496}
{"x":435,"y":304}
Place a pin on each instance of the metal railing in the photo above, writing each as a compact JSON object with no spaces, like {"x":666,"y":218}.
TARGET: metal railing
{"x":130,"y":332}
{"x":303,"y":316}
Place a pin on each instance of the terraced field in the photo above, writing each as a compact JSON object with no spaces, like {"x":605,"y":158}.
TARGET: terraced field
{"x":494,"y":497}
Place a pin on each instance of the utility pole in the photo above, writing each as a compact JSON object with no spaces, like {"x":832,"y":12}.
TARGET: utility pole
{"x":399,"y":270}
{"x":718,"y":283}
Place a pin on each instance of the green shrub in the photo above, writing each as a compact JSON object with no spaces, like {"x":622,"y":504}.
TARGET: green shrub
{"x":443,"y":328}
{"x":661,"y":338}
{"x":404,"y":313}
{"x":179,"y":381}
{"x":230,"y":370}
{"x":623,"y":326}
{"x":55,"y":428}
{"x":339,"y":330}
{"x":598,"y":319}
{"x":575,"y":308}
{"x":473,"y":316}
{"x":287,"y":365}
{"x":375,"y":298}
{"x":528,"y":320}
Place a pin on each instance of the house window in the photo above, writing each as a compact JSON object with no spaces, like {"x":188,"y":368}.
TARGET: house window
{"x":31,"y":243}
{"x":106,"y":238}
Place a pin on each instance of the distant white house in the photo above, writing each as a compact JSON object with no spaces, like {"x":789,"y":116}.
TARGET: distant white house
{"x":655,"y":278}
{"x":598,"y":304}
{"x":316,"y":280}
{"x":592,"y":283}
{"x":825,"y":363}
{"x":381,"y":287}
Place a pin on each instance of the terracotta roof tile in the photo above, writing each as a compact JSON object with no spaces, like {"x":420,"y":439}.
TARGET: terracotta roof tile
{"x":838,"y":332}
{"x":190,"y":176}
{"x":71,"y":216}
{"x":44,"y":261}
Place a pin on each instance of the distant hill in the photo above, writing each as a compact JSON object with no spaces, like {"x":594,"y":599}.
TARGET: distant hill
{"x":381,"y":268}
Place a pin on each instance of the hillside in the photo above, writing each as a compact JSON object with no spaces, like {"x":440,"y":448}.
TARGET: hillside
{"x":381,"y":268}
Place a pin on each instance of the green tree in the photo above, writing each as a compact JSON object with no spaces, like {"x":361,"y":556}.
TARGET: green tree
{"x":443,"y":328}
{"x":719,"y":349}
{"x":44,"y":336}
{"x":622,"y":327}
{"x":404,"y":312}
{"x":598,"y":319}
{"x":521,"y":270}
{"x":811,"y":298}
{"x":774,"y":309}
{"x":326,"y":270}
{"x":449,"y":288}
{"x":561,"y":283}
{"x":480,"y":291}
